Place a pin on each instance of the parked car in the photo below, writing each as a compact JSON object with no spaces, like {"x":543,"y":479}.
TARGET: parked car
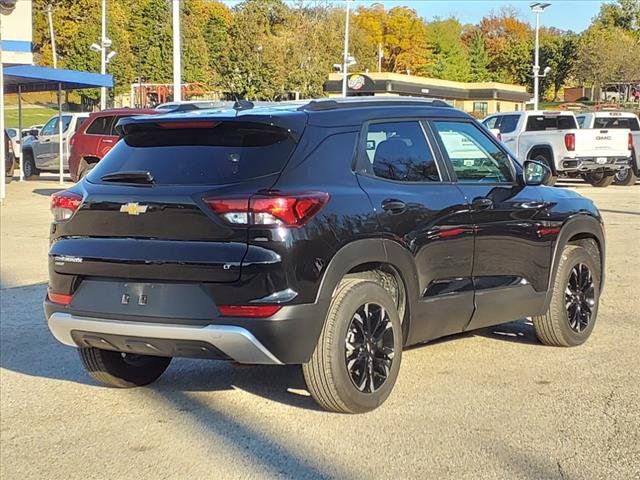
{"x":618,"y":120}
{"x":15,"y":141}
{"x":42,"y":152}
{"x":95,"y":137}
{"x":9,"y":156}
{"x":329,"y":233}
{"x":553,"y":138}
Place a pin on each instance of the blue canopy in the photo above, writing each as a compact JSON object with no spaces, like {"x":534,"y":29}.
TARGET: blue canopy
{"x":31,"y":78}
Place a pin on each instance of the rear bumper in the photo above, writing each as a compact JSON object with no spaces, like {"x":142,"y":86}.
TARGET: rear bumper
{"x":235,"y":342}
{"x":591,"y":164}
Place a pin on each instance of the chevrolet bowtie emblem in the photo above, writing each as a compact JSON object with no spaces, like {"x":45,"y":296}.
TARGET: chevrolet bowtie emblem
{"x":133,"y":208}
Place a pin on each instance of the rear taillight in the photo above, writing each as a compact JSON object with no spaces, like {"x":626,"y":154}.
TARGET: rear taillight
{"x":64,"y":204}
{"x":72,"y":140}
{"x":570,"y":141}
{"x":253,"y":311}
{"x":630,"y":142}
{"x":271,"y":210}
{"x":60,"y":298}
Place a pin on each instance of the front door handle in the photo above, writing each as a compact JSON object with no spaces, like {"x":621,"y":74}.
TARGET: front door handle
{"x":394,"y":207}
{"x":482,"y":203}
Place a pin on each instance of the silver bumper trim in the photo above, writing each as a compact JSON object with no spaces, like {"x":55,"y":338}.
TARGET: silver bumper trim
{"x":236,"y":342}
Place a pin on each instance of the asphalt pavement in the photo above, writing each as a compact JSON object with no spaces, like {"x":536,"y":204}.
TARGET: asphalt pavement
{"x":490,"y":404}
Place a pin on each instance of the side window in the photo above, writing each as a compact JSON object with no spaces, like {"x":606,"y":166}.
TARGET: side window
{"x":79,"y":122}
{"x":50,"y":127}
{"x":509,"y":123}
{"x":115,"y":122}
{"x":100,"y":126}
{"x":66,"y":121}
{"x":399,"y":151}
{"x":491,"y":122}
{"x":580,"y":120}
{"x":474,"y":157}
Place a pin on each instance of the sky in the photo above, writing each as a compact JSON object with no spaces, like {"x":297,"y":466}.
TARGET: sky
{"x":573,"y":15}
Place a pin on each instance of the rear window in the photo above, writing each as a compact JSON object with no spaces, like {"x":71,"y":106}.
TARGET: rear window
{"x":100,"y":126}
{"x":552,"y":122}
{"x":509,"y":123}
{"x":226,"y":152}
{"x":617,"y":122}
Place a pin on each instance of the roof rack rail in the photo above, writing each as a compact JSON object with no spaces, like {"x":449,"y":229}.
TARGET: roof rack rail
{"x":350,"y":102}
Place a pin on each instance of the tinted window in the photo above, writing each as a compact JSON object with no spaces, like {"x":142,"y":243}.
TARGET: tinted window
{"x":115,"y":122}
{"x":79,"y":122}
{"x":100,"y":126}
{"x":509,"y":123}
{"x":227,"y":152}
{"x":474,"y":157}
{"x":551,"y":122}
{"x":580,"y":121}
{"x":616,"y":122}
{"x":399,"y":151}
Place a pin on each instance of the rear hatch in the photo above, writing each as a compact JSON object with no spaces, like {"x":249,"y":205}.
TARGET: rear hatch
{"x":143,"y":213}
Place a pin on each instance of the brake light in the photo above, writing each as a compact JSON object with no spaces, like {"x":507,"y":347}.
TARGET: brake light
{"x":271,"y":210}
{"x":188,"y":124}
{"x":630,"y":142}
{"x":64,"y":204}
{"x":570,"y":141}
{"x":253,"y":311}
{"x":72,"y":140}
{"x":60,"y":298}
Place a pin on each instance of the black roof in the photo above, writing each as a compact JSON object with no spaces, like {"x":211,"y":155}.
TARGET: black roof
{"x":322,"y":112}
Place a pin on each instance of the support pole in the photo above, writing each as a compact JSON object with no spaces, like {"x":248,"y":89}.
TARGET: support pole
{"x":60,"y":144}
{"x":345,"y":58}
{"x":2,"y":148}
{"x":103,"y":55}
{"x":177,"y":69}
{"x":536,"y":65}
{"x":53,"y":38}
{"x":20,"y":131}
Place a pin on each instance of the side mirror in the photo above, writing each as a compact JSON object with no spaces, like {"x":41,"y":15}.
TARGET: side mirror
{"x":535,"y":173}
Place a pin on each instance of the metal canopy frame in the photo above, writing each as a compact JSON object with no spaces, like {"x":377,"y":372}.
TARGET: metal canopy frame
{"x":29,"y":78}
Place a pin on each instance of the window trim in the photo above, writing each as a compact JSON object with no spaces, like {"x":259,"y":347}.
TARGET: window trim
{"x":443,"y":152}
{"x":361,"y":154}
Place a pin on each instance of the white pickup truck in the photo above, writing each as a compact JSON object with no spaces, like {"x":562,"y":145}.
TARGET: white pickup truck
{"x":611,"y":120}
{"x":554,"y":138}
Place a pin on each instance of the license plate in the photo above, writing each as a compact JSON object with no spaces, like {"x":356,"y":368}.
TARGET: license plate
{"x":601,"y":160}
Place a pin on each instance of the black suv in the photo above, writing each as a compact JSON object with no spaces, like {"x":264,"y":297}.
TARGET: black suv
{"x":330,"y":233}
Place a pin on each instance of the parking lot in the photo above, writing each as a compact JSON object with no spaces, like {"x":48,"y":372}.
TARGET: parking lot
{"x":493,"y":403}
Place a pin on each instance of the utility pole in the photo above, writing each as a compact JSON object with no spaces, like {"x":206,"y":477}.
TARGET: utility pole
{"x":3,"y":184}
{"x":537,"y":8}
{"x":103,"y":55}
{"x":380,"y":55}
{"x":345,"y":58}
{"x":177,"y":68}
{"x":53,"y":37}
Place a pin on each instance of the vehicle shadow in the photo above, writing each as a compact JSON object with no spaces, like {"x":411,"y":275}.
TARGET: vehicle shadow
{"x":520,"y":331}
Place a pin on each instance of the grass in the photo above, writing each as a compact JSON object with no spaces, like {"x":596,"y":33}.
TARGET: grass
{"x":30,"y":116}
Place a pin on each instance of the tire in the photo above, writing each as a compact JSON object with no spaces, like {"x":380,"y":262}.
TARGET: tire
{"x":599,"y":180}
{"x":84,"y":172}
{"x":29,"y":166}
{"x":625,"y":177}
{"x":114,"y":369}
{"x":545,"y":161}
{"x":329,"y":380}
{"x":562,"y":324}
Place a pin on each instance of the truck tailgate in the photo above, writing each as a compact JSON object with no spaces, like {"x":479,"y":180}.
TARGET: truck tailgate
{"x":595,"y":142}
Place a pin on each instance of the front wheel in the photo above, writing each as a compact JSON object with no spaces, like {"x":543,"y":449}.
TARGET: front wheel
{"x":122,"y":370}
{"x":598,"y":179}
{"x":572,"y":312}
{"x":625,"y":177}
{"x":356,"y":361}
{"x":29,"y":166}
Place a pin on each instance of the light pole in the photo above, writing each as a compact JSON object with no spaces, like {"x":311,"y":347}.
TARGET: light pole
{"x":177,"y":68}
{"x":537,"y":8}
{"x":345,"y":56}
{"x":105,"y":57}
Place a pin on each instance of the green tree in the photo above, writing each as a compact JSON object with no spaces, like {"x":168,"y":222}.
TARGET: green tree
{"x":624,"y":14}
{"x":478,"y":60}
{"x":451,"y":61}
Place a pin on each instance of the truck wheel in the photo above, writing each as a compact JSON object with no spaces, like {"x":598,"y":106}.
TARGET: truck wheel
{"x":29,"y":166}
{"x":356,"y":361}
{"x":122,"y":370}
{"x":598,"y":179}
{"x":625,"y":177}
{"x":572,"y":312}
{"x":545,"y":161}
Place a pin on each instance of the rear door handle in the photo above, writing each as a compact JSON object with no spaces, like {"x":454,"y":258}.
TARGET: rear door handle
{"x":394,"y":206}
{"x":107,"y":140}
{"x":482,"y":203}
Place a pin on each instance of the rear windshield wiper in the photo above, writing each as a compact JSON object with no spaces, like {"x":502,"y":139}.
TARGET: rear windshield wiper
{"x":140,"y":177}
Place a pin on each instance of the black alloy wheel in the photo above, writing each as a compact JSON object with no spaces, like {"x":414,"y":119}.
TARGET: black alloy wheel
{"x":580,"y":297}
{"x":369,"y":347}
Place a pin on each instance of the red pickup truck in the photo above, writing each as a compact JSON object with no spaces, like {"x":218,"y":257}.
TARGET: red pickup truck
{"x":96,"y":137}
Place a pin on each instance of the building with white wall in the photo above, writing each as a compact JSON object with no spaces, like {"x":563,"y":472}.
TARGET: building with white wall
{"x":16,"y":32}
